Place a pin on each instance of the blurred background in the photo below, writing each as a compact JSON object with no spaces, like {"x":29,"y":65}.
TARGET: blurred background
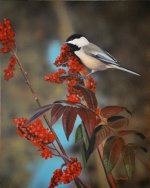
{"x":121,"y":28}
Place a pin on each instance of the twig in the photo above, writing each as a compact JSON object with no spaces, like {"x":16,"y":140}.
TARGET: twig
{"x":27,"y":81}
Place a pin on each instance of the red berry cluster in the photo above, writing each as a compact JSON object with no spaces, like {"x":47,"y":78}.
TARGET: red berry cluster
{"x":90,"y":84}
{"x":56,"y":179}
{"x":7,"y":34}
{"x":62,"y":59}
{"x":71,"y":172}
{"x":73,"y":98}
{"x":37,"y":134}
{"x":73,"y":76}
{"x":55,"y":77}
{"x":9,"y":71}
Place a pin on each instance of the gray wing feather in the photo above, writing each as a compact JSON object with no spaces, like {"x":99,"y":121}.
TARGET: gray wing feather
{"x":98,"y":53}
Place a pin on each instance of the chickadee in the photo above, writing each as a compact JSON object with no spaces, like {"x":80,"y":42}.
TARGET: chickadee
{"x":92,"y":56}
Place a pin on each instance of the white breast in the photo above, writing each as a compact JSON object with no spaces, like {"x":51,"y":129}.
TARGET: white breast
{"x":90,"y":62}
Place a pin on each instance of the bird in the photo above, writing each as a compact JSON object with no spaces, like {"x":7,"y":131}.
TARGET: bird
{"x":92,"y":56}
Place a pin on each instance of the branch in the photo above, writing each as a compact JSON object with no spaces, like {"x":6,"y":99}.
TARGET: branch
{"x":28,"y":82}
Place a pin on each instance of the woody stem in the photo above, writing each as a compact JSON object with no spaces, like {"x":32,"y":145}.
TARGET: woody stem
{"x":28,"y":82}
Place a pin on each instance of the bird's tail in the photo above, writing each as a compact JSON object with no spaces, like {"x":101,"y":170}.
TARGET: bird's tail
{"x":124,"y":69}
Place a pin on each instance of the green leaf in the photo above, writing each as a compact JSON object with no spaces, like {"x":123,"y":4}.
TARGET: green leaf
{"x":129,"y":161}
{"x":82,"y":134}
{"x":85,"y":137}
{"x":112,"y":149}
{"x":78,"y":134}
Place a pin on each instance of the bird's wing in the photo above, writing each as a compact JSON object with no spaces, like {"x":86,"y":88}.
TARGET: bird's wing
{"x":98,"y":53}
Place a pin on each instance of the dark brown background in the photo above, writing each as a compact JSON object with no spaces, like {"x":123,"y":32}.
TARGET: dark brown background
{"x":121,"y":28}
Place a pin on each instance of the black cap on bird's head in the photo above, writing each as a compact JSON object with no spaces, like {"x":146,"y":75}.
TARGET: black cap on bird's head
{"x":74,"y":36}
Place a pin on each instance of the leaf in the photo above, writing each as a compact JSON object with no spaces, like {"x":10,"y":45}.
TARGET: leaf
{"x":100,"y":133}
{"x":40,"y":111}
{"x":57,"y":112}
{"x":85,"y":137}
{"x":137,"y":146}
{"x":92,"y":122}
{"x":129,"y":161}
{"x":112,"y":149}
{"x":114,"y":118}
{"x":113,"y":110}
{"x":68,"y":102}
{"x":73,"y":104}
{"x":68,"y":120}
{"x":83,"y":116}
{"x":117,"y":122}
{"x":78,"y":134}
{"x":127,"y":132}
{"x":89,"y":97}
{"x":89,"y":119}
{"x":81,"y":134}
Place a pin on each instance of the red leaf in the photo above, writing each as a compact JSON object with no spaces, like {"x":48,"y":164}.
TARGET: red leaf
{"x":113,"y":110}
{"x":117,"y":122}
{"x":68,"y":102}
{"x":89,"y":97}
{"x":100,"y":133}
{"x":40,"y":111}
{"x":127,"y":132}
{"x":68,"y":120}
{"x":92,"y":121}
{"x":57,"y":112}
{"x":83,"y":115}
{"x":89,"y":119}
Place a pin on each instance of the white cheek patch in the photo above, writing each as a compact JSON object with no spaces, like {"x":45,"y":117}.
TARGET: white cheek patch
{"x":79,"y":42}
